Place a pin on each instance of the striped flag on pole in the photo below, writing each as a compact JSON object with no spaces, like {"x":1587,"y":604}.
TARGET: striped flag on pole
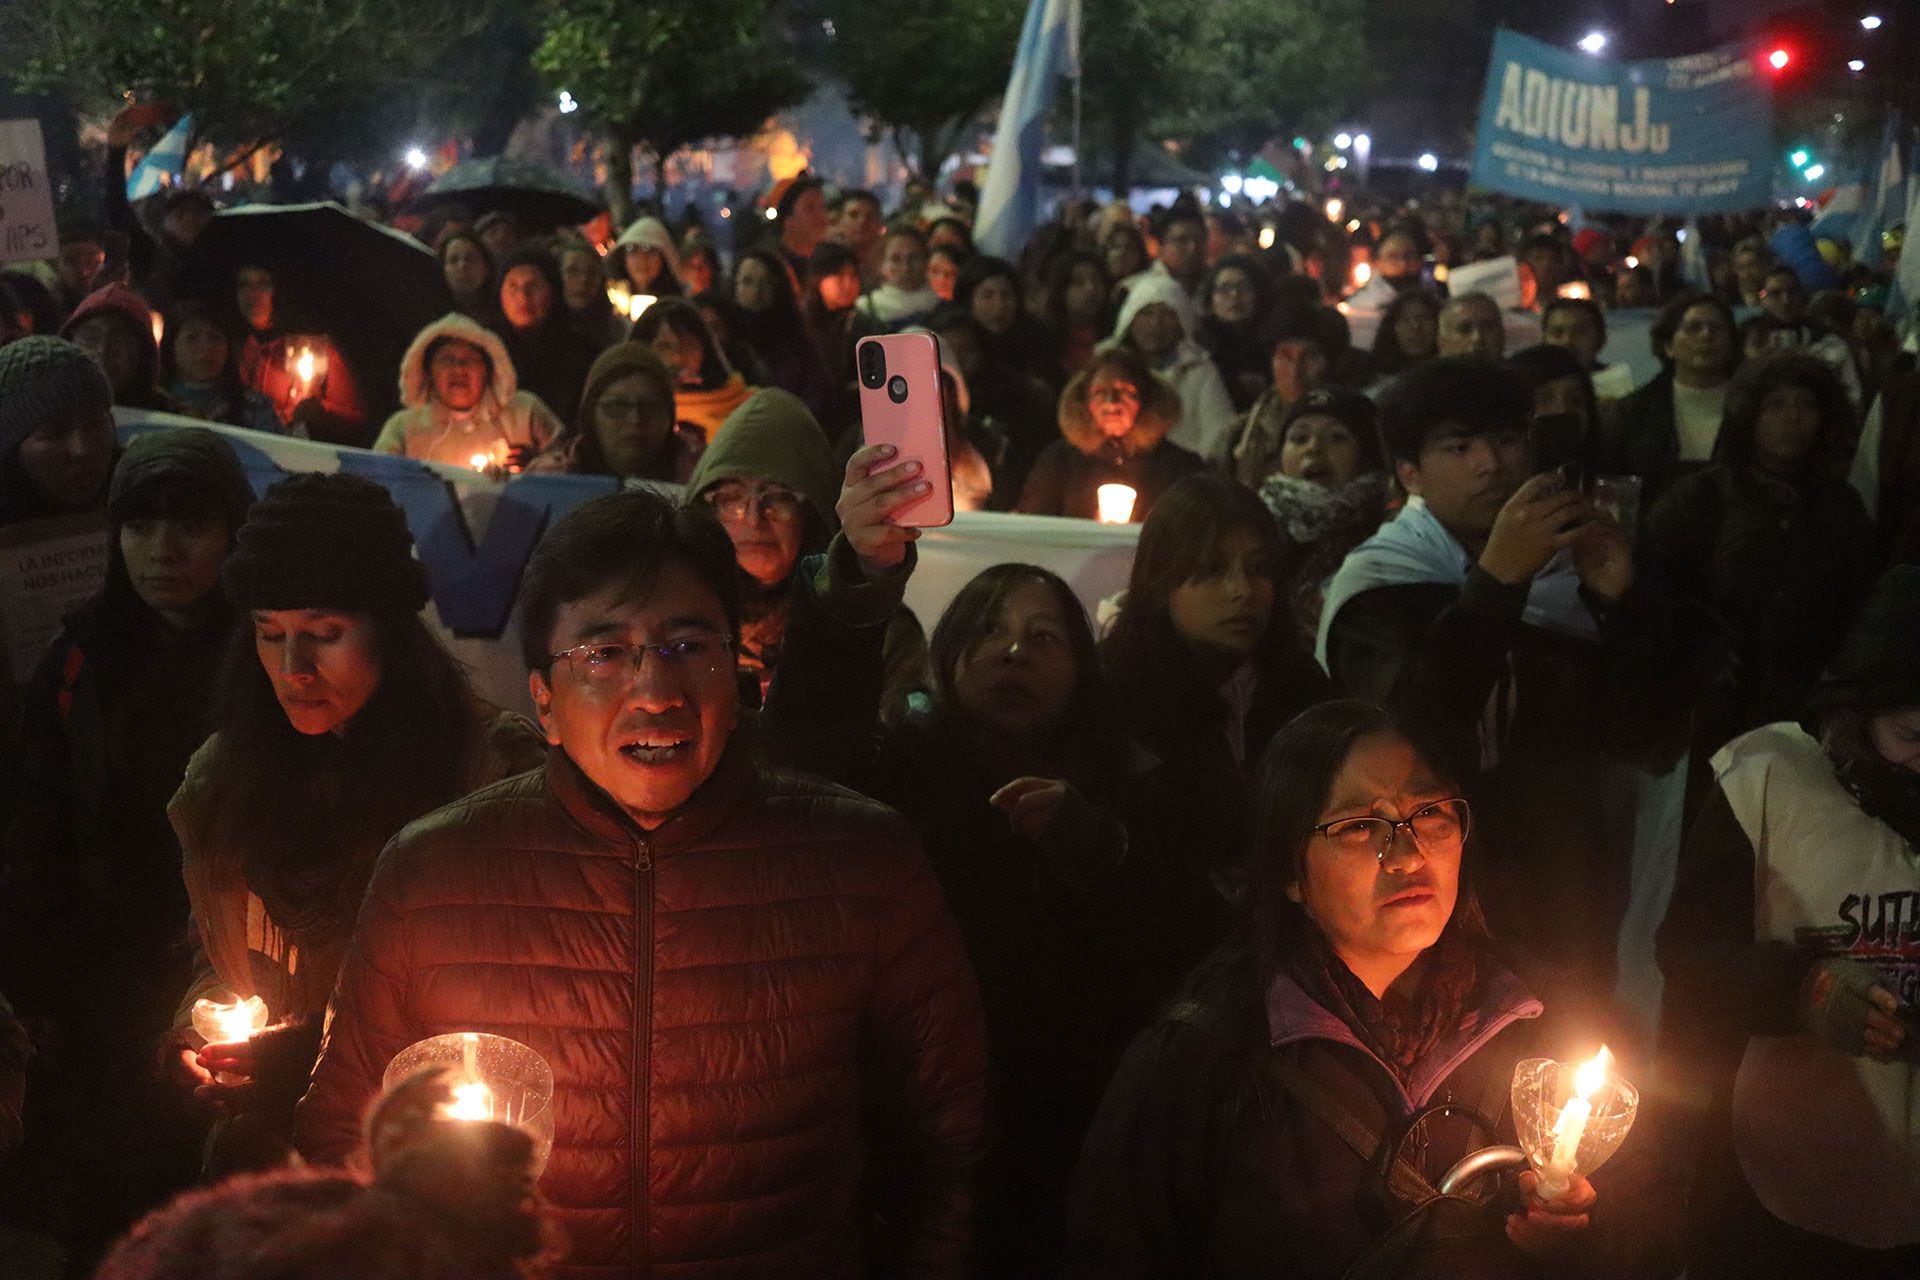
{"x":167,"y":156}
{"x":1010,"y":203}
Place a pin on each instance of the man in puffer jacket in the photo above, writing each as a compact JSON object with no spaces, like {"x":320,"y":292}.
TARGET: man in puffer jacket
{"x":767,"y":1047}
{"x":463,"y":403}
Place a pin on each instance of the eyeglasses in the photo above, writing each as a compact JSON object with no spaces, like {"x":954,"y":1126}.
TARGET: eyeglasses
{"x":1114,"y":393}
{"x":735,"y":504}
{"x":1440,"y":825}
{"x":605,"y":665}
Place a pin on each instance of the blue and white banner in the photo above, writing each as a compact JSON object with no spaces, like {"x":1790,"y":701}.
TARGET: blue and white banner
{"x":1665,"y":136}
{"x":1010,"y":202}
{"x":167,"y":157}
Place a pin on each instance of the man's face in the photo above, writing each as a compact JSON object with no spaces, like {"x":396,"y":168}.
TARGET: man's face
{"x":806,"y":221}
{"x":79,"y":262}
{"x":1466,"y":478}
{"x":459,"y":374}
{"x":1184,"y":249}
{"x":903,"y":264}
{"x":1470,"y":326}
{"x":1398,"y":258}
{"x":113,"y":340}
{"x":69,"y":458}
{"x":1750,"y":269}
{"x":859,"y":226}
{"x":1784,"y":299}
{"x":648,"y":734}
{"x":1574,"y":329}
{"x":841,"y":289}
{"x":253,"y":294}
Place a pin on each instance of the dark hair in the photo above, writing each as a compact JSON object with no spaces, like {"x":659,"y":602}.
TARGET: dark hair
{"x":1388,"y":355}
{"x":853,"y":195}
{"x":971,"y":615}
{"x":1323,"y":326}
{"x":486,"y":255}
{"x":977,"y":271}
{"x":621,"y":539}
{"x":958,"y":224}
{"x":32,"y":299}
{"x":786,"y":307}
{"x":403,"y":755}
{"x":684,"y":318}
{"x":1747,"y":397}
{"x":1476,"y":394}
{"x":191,"y":311}
{"x":1060,"y":276}
{"x":446,"y":1200}
{"x":1256,"y":276}
{"x":1586,"y":306}
{"x":1296,"y":777}
{"x":1123,"y":358}
{"x":902,"y":229}
{"x":1179,"y":540}
{"x":1187,"y":212}
{"x":1541,"y":364}
{"x":1674,"y":313}
{"x":549,"y":268}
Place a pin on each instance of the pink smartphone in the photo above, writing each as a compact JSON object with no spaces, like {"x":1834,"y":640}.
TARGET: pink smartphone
{"x":902,"y":404}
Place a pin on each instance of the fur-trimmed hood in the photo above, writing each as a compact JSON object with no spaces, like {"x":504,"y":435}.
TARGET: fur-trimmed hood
{"x":416,"y":387}
{"x":1159,"y":411}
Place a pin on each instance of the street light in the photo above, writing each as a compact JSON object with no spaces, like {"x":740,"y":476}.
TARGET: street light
{"x":567,"y":105}
{"x":1870,"y":23}
{"x":1343,"y":140}
{"x":1799,"y":159}
{"x":1857,"y":65}
{"x":1428,"y":161}
{"x":416,"y":159}
{"x":1593,"y":42}
{"x":1815,"y":172}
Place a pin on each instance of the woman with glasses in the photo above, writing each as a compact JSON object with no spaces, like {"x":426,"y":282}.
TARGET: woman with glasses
{"x":768,"y":474}
{"x":339,"y":720}
{"x":1253,"y":1126}
{"x":626,"y":426}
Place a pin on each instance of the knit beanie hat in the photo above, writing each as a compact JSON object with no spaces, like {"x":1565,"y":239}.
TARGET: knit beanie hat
{"x":1349,"y":408}
{"x":1877,"y":666}
{"x":44,"y":378}
{"x":319,"y":541}
{"x":195,"y":463}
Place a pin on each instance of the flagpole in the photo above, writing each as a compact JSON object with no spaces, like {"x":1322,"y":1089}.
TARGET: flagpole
{"x":1079,"y":75}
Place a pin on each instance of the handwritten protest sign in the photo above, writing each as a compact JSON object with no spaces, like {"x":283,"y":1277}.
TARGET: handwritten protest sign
{"x":46,"y":568}
{"x":26,"y":201}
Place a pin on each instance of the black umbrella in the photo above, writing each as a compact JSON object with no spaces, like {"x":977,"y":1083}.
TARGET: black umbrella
{"x":369,"y":288}
{"x":535,"y":194}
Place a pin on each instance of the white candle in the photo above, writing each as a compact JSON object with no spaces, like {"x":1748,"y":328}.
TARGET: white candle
{"x":1116,"y":503}
{"x":229,"y":1022}
{"x":1572,"y":1126}
{"x":472,"y":1099}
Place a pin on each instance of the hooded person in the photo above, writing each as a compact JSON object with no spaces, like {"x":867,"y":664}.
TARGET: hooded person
{"x":1115,"y":418}
{"x":92,"y":910}
{"x":117,"y":326}
{"x":56,"y":430}
{"x":646,"y":258}
{"x":1787,"y":1028}
{"x":626,"y":426}
{"x":768,"y":475}
{"x":340,"y":719}
{"x":462,"y":401}
{"x":1302,"y":349}
{"x":1158,"y":320}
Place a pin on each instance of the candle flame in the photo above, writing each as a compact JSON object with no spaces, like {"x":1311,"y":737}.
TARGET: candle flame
{"x":1362,"y":272}
{"x":471,"y":1101}
{"x":1575,"y":289}
{"x":638,"y":303}
{"x":230,"y":1022}
{"x":480,"y":461}
{"x":1591,"y":1076}
{"x":303,"y":365}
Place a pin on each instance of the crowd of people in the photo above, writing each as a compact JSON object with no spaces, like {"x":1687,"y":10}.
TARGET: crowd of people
{"x":1196,"y":934}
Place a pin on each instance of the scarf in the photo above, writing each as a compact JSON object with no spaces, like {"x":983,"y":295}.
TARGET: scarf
{"x":1885,"y":792}
{"x":1309,"y":511}
{"x":1414,"y":547}
{"x":1400,"y":1030}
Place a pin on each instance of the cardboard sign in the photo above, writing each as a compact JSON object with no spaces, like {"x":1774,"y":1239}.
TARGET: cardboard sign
{"x":26,"y":200}
{"x":1498,"y":278}
{"x":47,"y":568}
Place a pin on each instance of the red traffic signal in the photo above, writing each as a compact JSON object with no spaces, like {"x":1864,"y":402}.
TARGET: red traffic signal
{"x":1779,"y":57}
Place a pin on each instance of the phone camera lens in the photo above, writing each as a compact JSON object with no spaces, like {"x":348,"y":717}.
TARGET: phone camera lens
{"x":897,"y":389}
{"x":873,"y":364}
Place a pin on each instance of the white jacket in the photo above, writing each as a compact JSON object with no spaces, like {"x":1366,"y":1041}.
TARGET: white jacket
{"x":1208,"y":424}
{"x":506,"y":417}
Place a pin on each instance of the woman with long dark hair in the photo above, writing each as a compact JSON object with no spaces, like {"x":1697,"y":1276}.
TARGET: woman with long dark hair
{"x":765,"y":315}
{"x":340,"y":719}
{"x":468,"y":267}
{"x":1260,"y":1117}
{"x":706,"y":387}
{"x":200,"y":369}
{"x":1076,"y":307}
{"x":1409,"y":332}
{"x":550,"y":357}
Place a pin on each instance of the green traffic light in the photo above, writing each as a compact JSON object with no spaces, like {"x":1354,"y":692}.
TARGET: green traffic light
{"x":1299,"y":144}
{"x":1800,"y":159}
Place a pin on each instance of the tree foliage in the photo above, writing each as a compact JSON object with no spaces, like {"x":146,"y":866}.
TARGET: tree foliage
{"x":247,"y":73}
{"x":667,"y":73}
{"x":922,"y":67}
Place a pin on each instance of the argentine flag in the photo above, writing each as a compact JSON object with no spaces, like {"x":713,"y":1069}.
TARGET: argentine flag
{"x":1010,"y":204}
{"x":168,"y":156}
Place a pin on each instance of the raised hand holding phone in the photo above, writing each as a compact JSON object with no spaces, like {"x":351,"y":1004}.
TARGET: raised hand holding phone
{"x":902,"y":405}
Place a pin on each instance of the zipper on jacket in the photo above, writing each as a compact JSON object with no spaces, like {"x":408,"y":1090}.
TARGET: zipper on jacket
{"x":640,"y":1136}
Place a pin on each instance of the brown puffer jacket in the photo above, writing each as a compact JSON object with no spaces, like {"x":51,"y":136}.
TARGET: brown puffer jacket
{"x":767,"y":1047}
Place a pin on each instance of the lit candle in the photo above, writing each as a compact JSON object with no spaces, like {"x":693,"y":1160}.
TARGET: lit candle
{"x":229,"y":1022}
{"x":480,"y":461}
{"x":1362,"y":272}
{"x":159,"y":328}
{"x":1575,"y":289}
{"x":1588,"y":1080}
{"x":472,"y":1099}
{"x":638,"y":303}
{"x":303,"y":371}
{"x":1116,"y":503}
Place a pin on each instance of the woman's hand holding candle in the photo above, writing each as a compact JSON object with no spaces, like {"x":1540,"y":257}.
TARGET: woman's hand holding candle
{"x":1542,"y":1229}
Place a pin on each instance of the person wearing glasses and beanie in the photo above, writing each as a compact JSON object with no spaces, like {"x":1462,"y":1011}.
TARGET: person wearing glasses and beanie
{"x":1253,"y":1121}
{"x":768,"y":474}
{"x":767,"y":1046}
{"x":339,"y":719}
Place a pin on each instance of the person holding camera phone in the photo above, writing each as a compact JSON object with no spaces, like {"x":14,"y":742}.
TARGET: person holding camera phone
{"x":1788,"y":1037}
{"x":1502,"y":611}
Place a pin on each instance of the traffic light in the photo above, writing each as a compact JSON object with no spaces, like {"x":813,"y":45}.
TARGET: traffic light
{"x":1779,"y":57}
